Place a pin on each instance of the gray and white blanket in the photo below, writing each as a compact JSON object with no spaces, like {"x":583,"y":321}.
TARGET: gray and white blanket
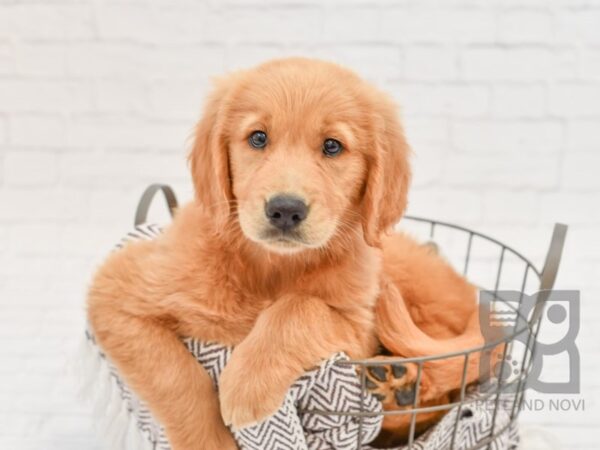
{"x":299,"y":424}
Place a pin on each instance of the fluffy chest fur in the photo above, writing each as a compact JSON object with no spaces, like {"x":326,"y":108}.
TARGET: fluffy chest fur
{"x":216,"y":284}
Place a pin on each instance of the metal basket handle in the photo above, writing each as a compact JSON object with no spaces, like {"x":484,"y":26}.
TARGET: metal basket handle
{"x":141,"y":213}
{"x":550,"y":269}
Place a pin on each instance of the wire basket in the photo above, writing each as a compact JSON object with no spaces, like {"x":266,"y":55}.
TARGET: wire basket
{"x":494,"y":268}
{"x":497,"y":258}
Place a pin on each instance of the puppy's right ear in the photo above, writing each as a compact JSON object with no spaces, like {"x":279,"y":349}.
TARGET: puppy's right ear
{"x":209,"y":157}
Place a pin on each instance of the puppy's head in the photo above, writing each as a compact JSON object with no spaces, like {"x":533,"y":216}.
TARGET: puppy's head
{"x":300,"y":150}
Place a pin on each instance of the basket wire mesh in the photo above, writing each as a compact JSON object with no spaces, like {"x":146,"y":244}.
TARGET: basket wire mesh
{"x":526,"y":328}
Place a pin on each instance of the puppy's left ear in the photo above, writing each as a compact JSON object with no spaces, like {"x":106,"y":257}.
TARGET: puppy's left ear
{"x":388,"y":175}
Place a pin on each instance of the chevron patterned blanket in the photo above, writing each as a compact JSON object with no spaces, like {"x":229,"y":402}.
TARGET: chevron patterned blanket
{"x":127,"y":423}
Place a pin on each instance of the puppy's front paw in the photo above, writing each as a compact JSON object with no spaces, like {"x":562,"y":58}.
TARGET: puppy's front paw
{"x":249,"y":396}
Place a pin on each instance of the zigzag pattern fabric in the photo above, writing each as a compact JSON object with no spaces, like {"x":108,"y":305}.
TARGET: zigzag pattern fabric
{"x":305,"y":421}
{"x":295,"y":426}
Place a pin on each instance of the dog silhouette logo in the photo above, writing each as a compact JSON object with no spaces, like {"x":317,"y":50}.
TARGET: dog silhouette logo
{"x":516,"y":318}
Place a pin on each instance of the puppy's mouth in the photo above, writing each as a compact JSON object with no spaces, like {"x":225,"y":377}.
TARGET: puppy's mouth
{"x":289,"y":239}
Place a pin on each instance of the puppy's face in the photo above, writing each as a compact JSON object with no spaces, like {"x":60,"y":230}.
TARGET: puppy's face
{"x":302,"y":142}
{"x":296,"y":167}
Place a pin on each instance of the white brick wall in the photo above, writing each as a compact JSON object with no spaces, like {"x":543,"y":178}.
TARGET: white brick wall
{"x":501,"y":100}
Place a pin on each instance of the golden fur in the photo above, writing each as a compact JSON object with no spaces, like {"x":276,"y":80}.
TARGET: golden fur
{"x":284,"y":304}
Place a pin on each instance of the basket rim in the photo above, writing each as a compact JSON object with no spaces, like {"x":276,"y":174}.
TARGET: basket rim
{"x":435,"y":222}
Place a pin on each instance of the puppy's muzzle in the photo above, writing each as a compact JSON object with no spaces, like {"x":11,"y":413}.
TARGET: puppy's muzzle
{"x":286,"y":212}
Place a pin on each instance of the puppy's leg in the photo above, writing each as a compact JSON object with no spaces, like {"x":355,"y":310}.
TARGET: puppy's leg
{"x":402,"y":337}
{"x":395,"y":384}
{"x":136,"y":336}
{"x":291,"y":336}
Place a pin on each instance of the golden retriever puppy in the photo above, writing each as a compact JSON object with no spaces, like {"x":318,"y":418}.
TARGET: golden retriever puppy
{"x":300,"y":168}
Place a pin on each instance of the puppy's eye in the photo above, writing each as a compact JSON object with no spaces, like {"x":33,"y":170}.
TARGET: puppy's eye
{"x":332,"y":147}
{"x":258,"y":139}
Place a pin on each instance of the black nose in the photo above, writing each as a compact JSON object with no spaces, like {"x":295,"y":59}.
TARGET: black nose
{"x":285,"y":211}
